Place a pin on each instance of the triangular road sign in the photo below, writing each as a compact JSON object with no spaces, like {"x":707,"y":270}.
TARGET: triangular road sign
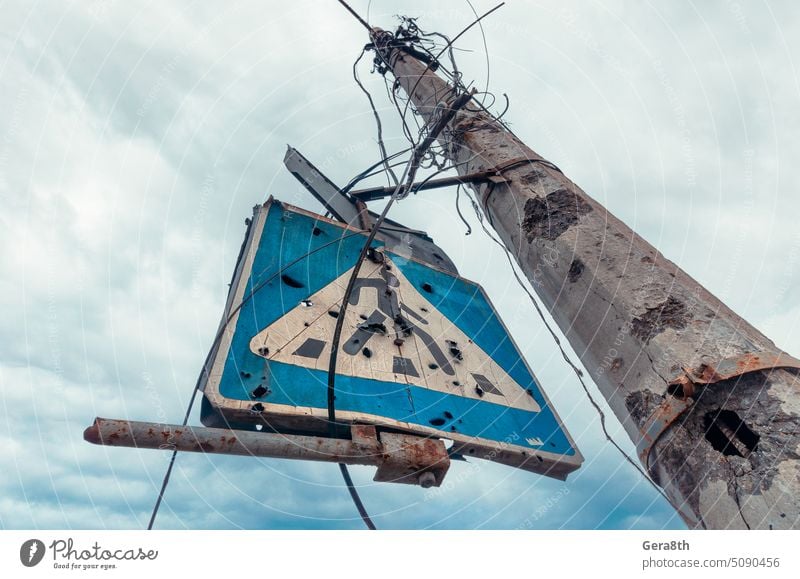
{"x":423,"y":350}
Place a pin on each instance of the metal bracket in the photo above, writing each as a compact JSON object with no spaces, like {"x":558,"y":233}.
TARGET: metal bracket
{"x":682,"y":388}
{"x":493,"y":175}
{"x":373,"y":193}
{"x":731,"y":367}
{"x":400,"y":458}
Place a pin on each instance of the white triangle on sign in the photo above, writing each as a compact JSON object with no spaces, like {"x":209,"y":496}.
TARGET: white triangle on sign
{"x":391,"y":333}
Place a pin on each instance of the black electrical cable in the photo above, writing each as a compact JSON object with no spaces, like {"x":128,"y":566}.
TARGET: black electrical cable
{"x":458,"y":210}
{"x":578,"y":372}
{"x":167,"y":475}
{"x":337,"y":335}
{"x":405,"y":183}
{"x":355,"y":14}
{"x":381,"y":145}
{"x":367,"y":173}
{"x":409,"y":172}
{"x":406,"y":129}
{"x":485,"y":51}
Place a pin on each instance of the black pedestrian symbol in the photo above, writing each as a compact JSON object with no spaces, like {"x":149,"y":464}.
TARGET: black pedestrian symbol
{"x":389,"y":306}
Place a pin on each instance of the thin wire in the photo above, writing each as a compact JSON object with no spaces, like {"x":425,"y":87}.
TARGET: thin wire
{"x":381,"y":145}
{"x":167,"y":475}
{"x":372,"y":174}
{"x":205,"y":369}
{"x":458,"y":210}
{"x":367,"y":172}
{"x":395,"y":96}
{"x":356,"y":498}
{"x":337,"y":334}
{"x":567,"y":359}
{"x":355,"y":14}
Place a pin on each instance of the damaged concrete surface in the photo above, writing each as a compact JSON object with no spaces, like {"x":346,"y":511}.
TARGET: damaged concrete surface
{"x":671,"y":313}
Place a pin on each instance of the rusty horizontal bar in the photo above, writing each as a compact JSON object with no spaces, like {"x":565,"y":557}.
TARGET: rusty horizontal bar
{"x":399,"y":457}
{"x":224,"y":441}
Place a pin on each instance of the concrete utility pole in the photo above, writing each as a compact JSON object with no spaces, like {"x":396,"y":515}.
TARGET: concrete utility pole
{"x":711,"y":403}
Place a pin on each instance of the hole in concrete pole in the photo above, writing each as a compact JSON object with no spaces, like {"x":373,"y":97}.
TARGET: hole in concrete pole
{"x":728,"y":433}
{"x":575,"y":270}
{"x":675,"y":390}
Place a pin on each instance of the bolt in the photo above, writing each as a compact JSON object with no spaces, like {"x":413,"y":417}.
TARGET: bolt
{"x":426,"y":480}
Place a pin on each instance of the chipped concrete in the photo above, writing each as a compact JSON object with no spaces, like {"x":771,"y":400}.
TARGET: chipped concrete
{"x":671,"y":313}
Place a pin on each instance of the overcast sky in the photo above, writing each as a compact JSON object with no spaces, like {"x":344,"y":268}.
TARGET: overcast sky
{"x":135,"y":137}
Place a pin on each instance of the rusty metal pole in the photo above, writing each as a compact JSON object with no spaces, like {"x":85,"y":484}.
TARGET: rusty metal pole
{"x":705,"y":396}
{"x":400,"y":458}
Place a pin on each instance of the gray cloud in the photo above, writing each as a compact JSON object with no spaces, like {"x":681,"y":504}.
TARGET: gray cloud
{"x":136,"y":138}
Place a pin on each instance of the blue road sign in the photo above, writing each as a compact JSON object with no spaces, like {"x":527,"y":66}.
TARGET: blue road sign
{"x":423,"y":350}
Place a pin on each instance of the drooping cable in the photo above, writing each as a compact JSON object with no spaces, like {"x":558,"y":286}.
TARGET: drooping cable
{"x":355,"y":15}
{"x":172,"y":458}
{"x":381,"y":145}
{"x":458,"y":210}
